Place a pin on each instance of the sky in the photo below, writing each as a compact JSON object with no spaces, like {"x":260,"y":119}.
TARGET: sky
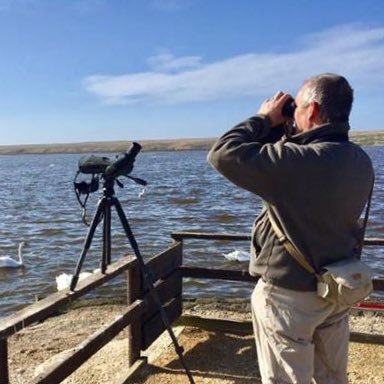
{"x":103,"y":70}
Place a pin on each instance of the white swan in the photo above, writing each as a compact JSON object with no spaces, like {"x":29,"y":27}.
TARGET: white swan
{"x":8,"y":262}
{"x":237,"y":255}
{"x":63,"y":281}
{"x":142,"y":193}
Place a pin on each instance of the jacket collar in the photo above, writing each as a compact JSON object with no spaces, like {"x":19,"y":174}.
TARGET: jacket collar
{"x":331,"y":132}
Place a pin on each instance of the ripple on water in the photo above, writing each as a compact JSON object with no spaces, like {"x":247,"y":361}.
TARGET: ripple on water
{"x":183,"y":201}
{"x":224,"y":218}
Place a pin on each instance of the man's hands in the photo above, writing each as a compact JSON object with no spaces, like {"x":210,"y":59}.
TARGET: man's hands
{"x":273,"y":107}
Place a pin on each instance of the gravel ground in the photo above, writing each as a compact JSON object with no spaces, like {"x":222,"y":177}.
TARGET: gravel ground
{"x":213,"y":357}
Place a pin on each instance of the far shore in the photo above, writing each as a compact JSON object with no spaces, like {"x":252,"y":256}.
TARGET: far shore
{"x":362,"y":138}
{"x":107,"y":146}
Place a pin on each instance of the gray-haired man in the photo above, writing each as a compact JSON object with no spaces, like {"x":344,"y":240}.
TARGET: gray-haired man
{"x":316,"y":182}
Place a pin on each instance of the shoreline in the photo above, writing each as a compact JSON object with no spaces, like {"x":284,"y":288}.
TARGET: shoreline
{"x":369,"y":138}
{"x":107,"y":146}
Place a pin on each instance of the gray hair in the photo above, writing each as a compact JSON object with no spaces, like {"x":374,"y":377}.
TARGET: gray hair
{"x":332,"y":93}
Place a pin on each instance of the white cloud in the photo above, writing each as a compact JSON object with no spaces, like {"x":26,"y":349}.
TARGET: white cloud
{"x":352,"y":50}
{"x":168,"y":62}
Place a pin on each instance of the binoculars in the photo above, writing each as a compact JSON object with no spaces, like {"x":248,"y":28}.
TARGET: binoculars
{"x":289,"y":108}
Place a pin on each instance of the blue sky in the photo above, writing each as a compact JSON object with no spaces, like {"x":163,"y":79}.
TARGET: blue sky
{"x":100,"y":70}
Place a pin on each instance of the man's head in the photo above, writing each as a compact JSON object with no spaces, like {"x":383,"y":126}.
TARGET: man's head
{"x":326,"y":98}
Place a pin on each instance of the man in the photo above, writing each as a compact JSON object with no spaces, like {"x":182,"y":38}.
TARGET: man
{"x":315,"y":182}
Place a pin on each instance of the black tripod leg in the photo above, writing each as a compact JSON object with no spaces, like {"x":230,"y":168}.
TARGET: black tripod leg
{"x":149,"y":282}
{"x":106,"y":259}
{"x":87,"y":242}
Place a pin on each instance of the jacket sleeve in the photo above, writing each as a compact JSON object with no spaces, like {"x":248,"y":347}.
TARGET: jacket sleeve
{"x":248,"y":154}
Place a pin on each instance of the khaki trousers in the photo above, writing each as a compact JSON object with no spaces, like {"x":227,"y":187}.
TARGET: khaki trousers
{"x":300,"y":338}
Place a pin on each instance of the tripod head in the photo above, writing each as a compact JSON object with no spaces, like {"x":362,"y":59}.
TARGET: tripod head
{"x":105,"y":169}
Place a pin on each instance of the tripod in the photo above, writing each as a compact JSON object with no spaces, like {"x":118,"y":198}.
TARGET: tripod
{"x":103,"y":212}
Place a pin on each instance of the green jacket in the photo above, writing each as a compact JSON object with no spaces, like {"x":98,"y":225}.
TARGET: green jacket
{"x":316,"y":183}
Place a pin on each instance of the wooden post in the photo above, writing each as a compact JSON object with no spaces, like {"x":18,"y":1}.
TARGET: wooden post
{"x":181,"y":266}
{"x":4,"y":375}
{"x":134,"y":288}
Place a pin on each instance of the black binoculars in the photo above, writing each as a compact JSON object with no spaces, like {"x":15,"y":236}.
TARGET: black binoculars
{"x":289,"y":108}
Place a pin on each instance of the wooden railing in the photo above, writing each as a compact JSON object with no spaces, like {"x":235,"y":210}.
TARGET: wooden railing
{"x":224,"y":274}
{"x":142,"y":316}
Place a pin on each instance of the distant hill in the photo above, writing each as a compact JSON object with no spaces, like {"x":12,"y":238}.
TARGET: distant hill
{"x":107,"y":146}
{"x":362,"y":138}
{"x":368,"y":138}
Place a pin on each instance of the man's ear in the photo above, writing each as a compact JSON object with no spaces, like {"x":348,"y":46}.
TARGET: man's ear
{"x":313,"y":112}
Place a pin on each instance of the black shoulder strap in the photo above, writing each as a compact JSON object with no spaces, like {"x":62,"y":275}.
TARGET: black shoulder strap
{"x":360,"y":244}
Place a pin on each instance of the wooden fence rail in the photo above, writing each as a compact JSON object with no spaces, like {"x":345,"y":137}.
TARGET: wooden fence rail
{"x":62,"y":368}
{"x":141,"y":316}
{"x":224,"y":274}
{"x":179,"y":236}
{"x":52,"y":303}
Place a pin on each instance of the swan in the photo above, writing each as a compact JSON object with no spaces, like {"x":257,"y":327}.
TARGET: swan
{"x":142,"y":193}
{"x":8,"y":262}
{"x":237,"y":255}
{"x":63,"y":281}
